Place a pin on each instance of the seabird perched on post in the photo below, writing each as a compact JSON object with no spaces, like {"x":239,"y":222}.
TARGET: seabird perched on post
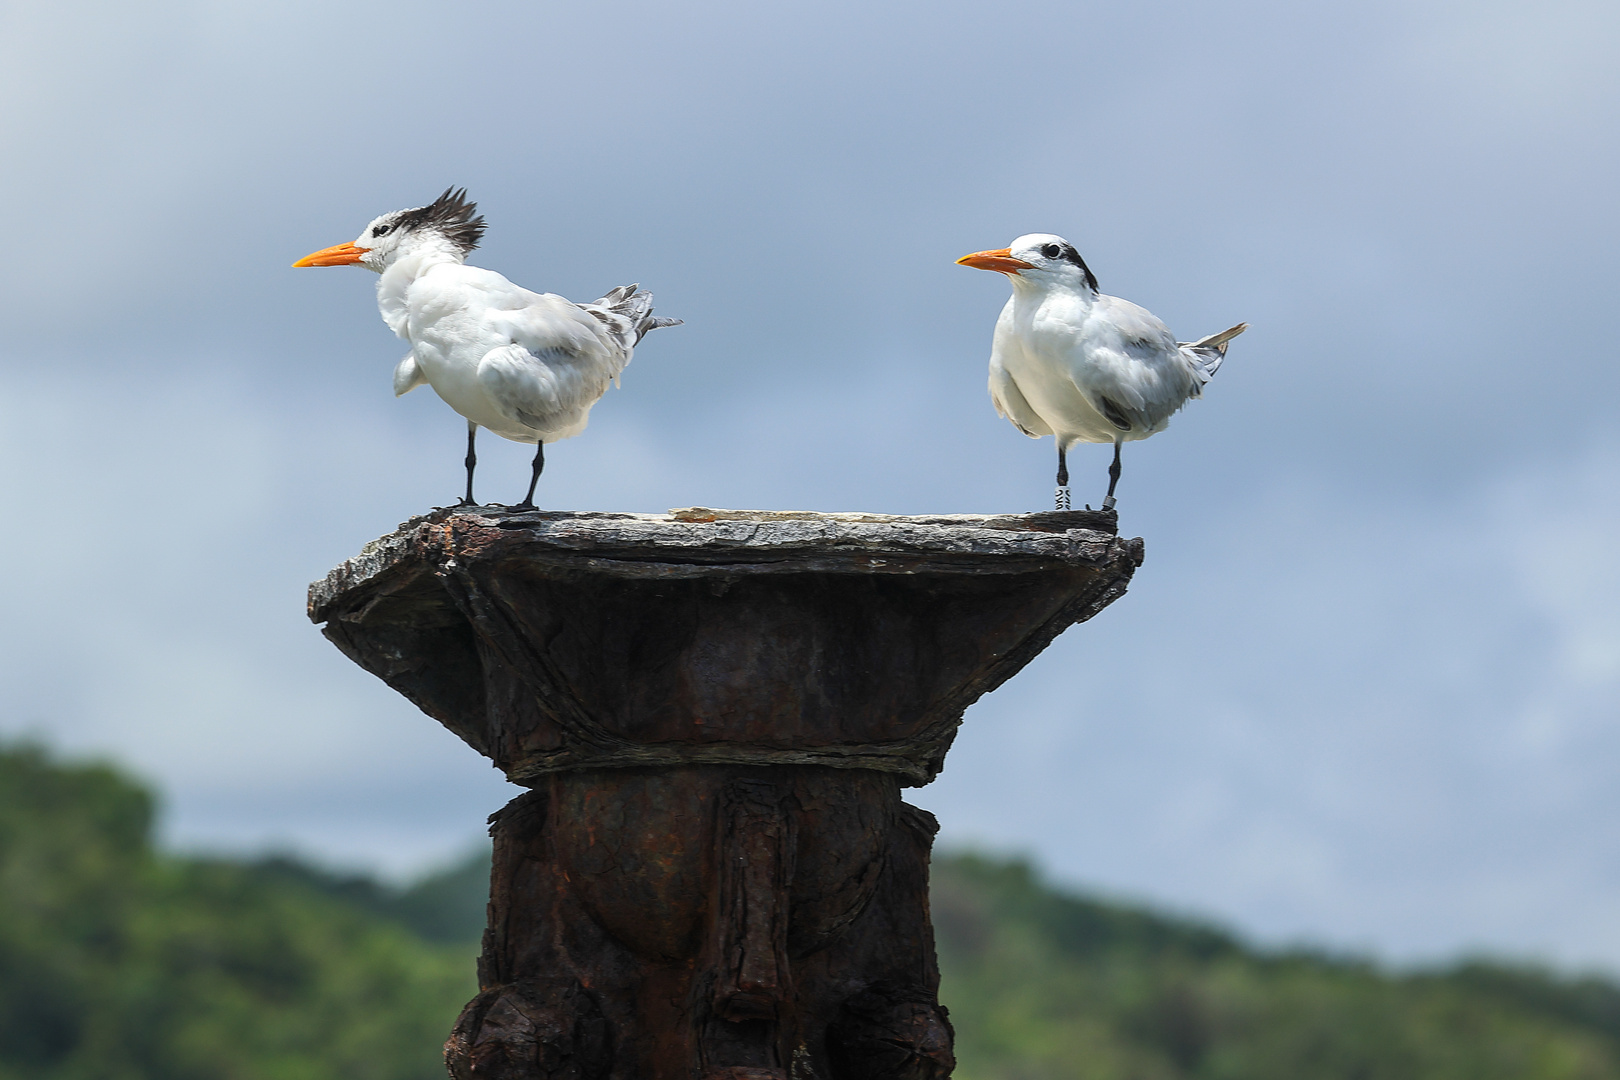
{"x":528,"y":366}
{"x":1072,"y":362}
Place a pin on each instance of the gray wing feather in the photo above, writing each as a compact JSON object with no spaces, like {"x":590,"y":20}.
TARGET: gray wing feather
{"x":1207,"y":353}
{"x":538,"y":387}
{"x":1114,"y":414}
{"x":1011,"y":403}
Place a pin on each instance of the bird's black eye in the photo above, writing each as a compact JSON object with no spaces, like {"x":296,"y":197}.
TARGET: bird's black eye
{"x":1051,"y":251}
{"x":382,"y":230}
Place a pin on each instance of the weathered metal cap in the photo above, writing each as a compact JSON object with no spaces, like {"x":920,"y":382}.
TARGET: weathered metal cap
{"x":551,"y":641}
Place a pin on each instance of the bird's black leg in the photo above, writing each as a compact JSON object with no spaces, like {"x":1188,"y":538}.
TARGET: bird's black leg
{"x":1062,"y":476}
{"x":539,"y":467}
{"x":472,"y":459}
{"x":1113,"y":478}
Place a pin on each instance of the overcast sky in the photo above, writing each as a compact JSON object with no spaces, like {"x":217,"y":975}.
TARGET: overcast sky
{"x":1365,"y":691}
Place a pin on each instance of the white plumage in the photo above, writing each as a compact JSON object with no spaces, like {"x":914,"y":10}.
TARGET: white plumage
{"x":527,"y":366}
{"x":1072,"y":362}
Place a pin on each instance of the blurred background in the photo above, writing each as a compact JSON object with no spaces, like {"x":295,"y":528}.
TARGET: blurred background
{"x":1362,"y":695}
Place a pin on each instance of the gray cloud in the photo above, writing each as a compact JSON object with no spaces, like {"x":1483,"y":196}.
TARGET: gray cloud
{"x":1363,"y":688}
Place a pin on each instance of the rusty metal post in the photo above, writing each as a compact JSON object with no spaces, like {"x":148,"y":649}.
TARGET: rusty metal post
{"x":712,"y":875}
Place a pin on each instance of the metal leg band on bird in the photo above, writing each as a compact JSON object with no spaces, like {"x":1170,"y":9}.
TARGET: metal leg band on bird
{"x":1113,"y":479}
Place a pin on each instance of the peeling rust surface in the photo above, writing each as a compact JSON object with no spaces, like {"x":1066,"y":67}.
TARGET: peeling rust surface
{"x":708,"y":922}
{"x":712,"y":876}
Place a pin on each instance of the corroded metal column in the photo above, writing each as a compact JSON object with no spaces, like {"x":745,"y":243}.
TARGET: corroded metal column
{"x":712,"y":875}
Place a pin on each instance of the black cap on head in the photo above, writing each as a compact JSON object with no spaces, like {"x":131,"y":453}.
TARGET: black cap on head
{"x":450,"y":214}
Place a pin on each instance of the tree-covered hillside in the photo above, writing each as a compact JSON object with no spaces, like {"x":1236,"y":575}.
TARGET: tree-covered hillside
{"x":119,"y":962}
{"x":1043,"y":985}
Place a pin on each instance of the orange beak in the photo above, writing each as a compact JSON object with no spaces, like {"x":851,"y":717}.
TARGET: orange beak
{"x":337,"y":255}
{"x":1000,"y":259}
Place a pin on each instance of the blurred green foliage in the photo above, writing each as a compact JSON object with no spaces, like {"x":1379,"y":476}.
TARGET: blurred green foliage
{"x":1047,"y":986}
{"x":119,"y":962}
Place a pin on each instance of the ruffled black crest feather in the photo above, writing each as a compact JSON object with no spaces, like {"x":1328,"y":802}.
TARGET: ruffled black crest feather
{"x":451,"y":215}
